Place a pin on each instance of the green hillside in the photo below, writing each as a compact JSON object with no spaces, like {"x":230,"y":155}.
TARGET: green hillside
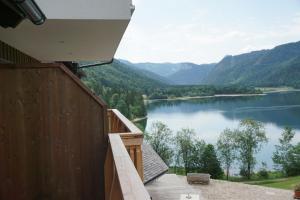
{"x":121,"y":87}
{"x":195,"y":75}
{"x":276,"y":67}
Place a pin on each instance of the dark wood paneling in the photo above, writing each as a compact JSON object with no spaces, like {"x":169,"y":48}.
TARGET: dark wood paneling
{"x":8,"y":54}
{"x":52,"y":135}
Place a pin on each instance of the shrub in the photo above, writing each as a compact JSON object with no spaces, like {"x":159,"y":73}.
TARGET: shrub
{"x":263,"y":173}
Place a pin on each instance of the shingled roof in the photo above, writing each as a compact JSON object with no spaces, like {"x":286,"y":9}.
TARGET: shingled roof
{"x":154,"y":166}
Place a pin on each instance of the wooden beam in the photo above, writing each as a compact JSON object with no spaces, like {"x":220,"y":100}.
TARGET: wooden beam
{"x":131,"y":186}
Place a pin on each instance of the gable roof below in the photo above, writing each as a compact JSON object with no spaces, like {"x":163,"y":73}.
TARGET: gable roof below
{"x":154,"y":166}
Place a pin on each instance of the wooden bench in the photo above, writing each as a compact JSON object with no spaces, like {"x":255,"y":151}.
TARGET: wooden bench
{"x":198,"y":178}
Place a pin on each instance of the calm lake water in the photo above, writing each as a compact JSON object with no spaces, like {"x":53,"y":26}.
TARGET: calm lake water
{"x":209,"y":117}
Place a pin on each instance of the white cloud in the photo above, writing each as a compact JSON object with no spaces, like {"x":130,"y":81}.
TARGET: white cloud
{"x":201,"y":42}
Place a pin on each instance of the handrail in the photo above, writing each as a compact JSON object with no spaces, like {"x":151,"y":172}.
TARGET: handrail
{"x":122,"y":180}
{"x":131,"y":136}
{"x":116,"y":118}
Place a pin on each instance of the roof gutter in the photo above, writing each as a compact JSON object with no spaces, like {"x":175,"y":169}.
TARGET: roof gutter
{"x":96,"y":64}
{"x":31,"y":11}
{"x":15,"y":11}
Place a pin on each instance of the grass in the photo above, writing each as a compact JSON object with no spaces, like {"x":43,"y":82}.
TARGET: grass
{"x":178,"y":170}
{"x":275,"y":179}
{"x":281,"y":183}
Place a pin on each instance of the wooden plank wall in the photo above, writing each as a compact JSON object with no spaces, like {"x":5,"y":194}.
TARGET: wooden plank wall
{"x":8,"y":54}
{"x":52,"y":135}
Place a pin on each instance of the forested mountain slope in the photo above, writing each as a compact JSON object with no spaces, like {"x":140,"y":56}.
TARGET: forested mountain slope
{"x":275,"y":67}
{"x":279,"y":66}
{"x":192,"y":76}
{"x":146,"y":72}
{"x":121,"y":87}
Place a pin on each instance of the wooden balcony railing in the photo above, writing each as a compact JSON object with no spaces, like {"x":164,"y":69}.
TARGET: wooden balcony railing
{"x":124,"y":163}
{"x":121,"y":178}
{"x":131,"y":136}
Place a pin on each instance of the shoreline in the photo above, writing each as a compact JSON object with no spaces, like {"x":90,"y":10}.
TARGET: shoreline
{"x":278,"y":90}
{"x":266,"y":92}
{"x":206,"y":97}
{"x":139,"y":119}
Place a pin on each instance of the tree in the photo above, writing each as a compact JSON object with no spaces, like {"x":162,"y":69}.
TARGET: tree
{"x":249,"y":139}
{"x":263,"y":172}
{"x":211,"y":163}
{"x":184,"y":143}
{"x":197,"y":155}
{"x":114,"y":100}
{"x":287,"y":156}
{"x":294,"y":161}
{"x":122,"y":107}
{"x":160,"y":138}
{"x":227,"y":149}
{"x":282,"y":151}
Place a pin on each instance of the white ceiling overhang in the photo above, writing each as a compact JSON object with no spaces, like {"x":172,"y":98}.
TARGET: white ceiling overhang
{"x":75,"y":30}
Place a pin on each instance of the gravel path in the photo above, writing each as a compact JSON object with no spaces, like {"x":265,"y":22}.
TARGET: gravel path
{"x":220,"y":190}
{"x":171,"y":186}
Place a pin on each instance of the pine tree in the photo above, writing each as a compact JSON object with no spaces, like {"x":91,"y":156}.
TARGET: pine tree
{"x":211,"y":164}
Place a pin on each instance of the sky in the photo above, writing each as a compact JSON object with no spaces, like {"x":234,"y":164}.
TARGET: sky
{"x":204,"y":31}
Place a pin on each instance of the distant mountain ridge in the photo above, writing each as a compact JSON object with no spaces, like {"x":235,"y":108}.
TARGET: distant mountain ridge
{"x":195,"y":75}
{"x":147,"y":73}
{"x":273,"y":67}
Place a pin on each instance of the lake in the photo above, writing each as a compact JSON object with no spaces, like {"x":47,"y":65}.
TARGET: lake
{"x":210,"y":116}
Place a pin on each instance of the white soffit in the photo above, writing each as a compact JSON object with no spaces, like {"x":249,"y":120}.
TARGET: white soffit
{"x":75,"y":30}
{"x":86,"y":9}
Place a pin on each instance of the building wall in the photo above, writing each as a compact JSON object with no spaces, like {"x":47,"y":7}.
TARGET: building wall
{"x":52,"y":135}
{"x":9,"y":54}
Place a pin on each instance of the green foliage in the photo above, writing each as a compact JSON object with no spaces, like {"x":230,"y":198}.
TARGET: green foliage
{"x":177,"y":170}
{"x":198,"y":149}
{"x":227,"y":149}
{"x":281,"y":183}
{"x":121,"y":87}
{"x":263,"y":172}
{"x":297,"y":187}
{"x":195,"y":155}
{"x":249,"y":139}
{"x":198,"y":90}
{"x":211,"y":163}
{"x":286,"y":155}
{"x":279,"y":66}
{"x":160,"y":138}
{"x":184,"y":143}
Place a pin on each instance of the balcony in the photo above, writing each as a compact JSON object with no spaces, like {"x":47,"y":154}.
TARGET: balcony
{"x":124,"y":160}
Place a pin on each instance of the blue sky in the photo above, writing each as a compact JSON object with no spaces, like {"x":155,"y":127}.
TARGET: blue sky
{"x":204,"y":31}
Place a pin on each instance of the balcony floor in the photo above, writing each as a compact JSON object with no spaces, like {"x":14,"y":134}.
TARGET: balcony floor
{"x":171,"y":186}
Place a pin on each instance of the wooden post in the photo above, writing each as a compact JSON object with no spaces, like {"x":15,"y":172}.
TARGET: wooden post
{"x":132,"y":138}
{"x":139,"y":162}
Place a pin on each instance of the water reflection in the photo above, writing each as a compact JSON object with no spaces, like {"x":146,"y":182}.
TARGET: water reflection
{"x":282,"y":109}
{"x":209,"y":117}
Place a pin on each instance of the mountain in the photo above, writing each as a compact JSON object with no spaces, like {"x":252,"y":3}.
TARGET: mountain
{"x":279,"y":66}
{"x":122,"y":76}
{"x":274,"y":67}
{"x":146,"y":72}
{"x":195,"y":75}
{"x":163,"y":69}
{"x":121,"y":86}
{"x":174,"y":73}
